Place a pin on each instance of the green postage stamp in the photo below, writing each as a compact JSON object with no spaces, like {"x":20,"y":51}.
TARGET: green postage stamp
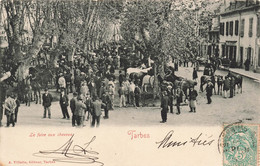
{"x":240,"y":145}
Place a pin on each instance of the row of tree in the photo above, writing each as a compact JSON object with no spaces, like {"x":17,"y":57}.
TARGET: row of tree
{"x":159,"y":29}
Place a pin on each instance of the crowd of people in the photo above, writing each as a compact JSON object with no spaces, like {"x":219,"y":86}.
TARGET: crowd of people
{"x":91,"y":80}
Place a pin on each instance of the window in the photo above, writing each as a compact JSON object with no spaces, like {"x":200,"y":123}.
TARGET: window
{"x":236,"y":27}
{"x":242,"y":27}
{"x":250,"y":32}
{"x":223,"y":50}
{"x":258,"y":26}
{"x":231,"y":28}
{"x":258,"y":56}
{"x":222,"y":28}
{"x":227,"y":28}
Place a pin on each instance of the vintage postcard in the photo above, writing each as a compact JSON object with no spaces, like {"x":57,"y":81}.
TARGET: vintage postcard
{"x":129,"y":82}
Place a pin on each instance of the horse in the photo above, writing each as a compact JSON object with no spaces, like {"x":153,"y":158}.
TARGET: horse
{"x":204,"y":79}
{"x":185,"y":84}
{"x":36,"y":88}
{"x":238,"y":81}
{"x":148,"y":81}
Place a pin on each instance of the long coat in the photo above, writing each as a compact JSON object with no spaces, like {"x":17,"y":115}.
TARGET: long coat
{"x":80,"y":108}
{"x":46,"y":100}
{"x":164,"y":103}
{"x":64,"y":100}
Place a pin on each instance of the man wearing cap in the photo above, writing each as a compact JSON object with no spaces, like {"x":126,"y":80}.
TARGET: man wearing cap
{"x":73,"y":108}
{"x":46,"y":102}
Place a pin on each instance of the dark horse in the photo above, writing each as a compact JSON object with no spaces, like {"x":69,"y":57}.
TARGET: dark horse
{"x":238,"y":81}
{"x":36,"y":88}
{"x":176,"y":81}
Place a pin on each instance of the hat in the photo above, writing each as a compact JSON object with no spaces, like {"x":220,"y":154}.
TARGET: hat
{"x":46,"y":89}
{"x":75,"y":93}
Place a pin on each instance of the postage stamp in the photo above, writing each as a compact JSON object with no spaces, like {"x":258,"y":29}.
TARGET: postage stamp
{"x":240,"y":145}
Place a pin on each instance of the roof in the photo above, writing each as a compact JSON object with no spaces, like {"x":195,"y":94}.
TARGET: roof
{"x":239,"y":8}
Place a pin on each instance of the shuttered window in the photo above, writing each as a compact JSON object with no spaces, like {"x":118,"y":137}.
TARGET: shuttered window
{"x":231,"y":28}
{"x":236,"y":27}
{"x":227,"y":23}
{"x":250,"y":32}
{"x":258,"y":27}
{"x":222,"y":28}
{"x":242,"y":27}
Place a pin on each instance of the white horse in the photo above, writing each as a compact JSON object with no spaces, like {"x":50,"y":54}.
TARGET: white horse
{"x":148,"y":81}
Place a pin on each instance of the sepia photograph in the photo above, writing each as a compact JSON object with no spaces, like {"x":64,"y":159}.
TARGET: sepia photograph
{"x":145,"y":82}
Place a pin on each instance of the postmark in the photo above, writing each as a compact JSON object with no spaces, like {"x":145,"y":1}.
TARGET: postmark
{"x":240,"y":145}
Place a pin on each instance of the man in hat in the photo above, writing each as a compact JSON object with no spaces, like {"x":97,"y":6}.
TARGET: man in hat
{"x":209,"y":89}
{"x":73,"y":108}
{"x":46,"y":102}
{"x":164,"y":106}
{"x":64,"y":103}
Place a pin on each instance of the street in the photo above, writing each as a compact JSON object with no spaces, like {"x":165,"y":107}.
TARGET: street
{"x":243,"y":107}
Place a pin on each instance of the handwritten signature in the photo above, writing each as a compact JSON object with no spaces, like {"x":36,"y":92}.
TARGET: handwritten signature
{"x":167,"y":142}
{"x":72,"y":154}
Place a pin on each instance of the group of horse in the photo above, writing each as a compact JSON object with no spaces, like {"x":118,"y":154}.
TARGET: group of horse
{"x":29,"y":88}
{"x":147,"y":80}
{"x":219,"y":80}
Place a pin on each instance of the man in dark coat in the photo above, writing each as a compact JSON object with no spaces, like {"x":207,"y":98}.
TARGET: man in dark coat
{"x":137,"y":93}
{"x":46,"y":102}
{"x":96,"y":111}
{"x":170,"y":95}
{"x":226,"y":86}
{"x":73,"y":108}
{"x":209,"y":91}
{"x":164,"y":106}
{"x":64,"y":102}
{"x":232,"y":85}
{"x":106,"y":100}
{"x":120,"y":78}
{"x":194,"y":74}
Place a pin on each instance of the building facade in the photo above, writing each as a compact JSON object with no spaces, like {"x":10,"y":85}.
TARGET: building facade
{"x":213,"y":38}
{"x":240,"y":34}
